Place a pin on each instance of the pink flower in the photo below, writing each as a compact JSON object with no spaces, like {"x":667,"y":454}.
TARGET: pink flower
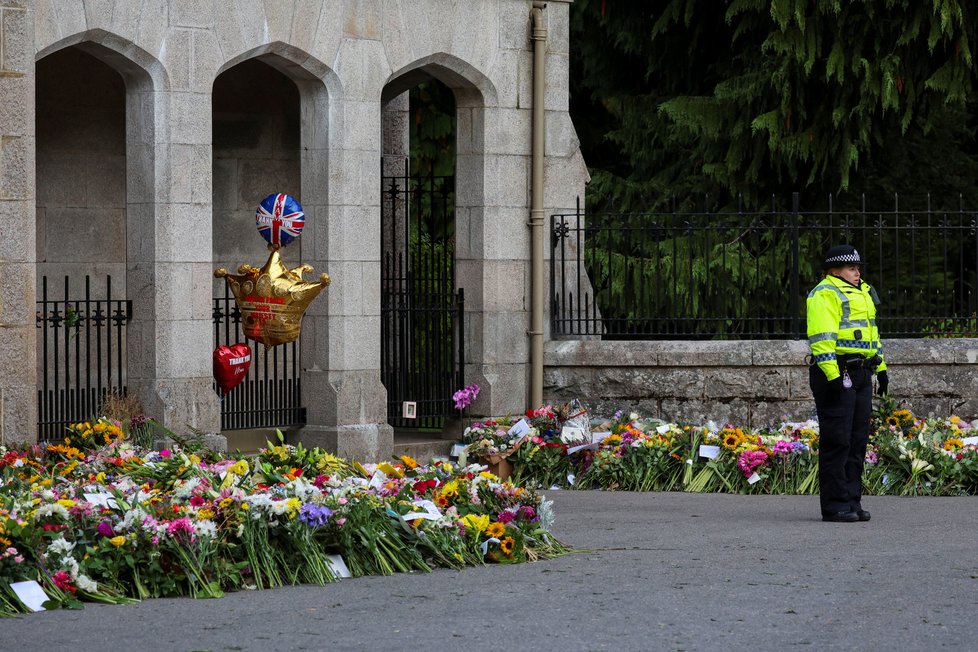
{"x":749,"y":461}
{"x":165,"y":453}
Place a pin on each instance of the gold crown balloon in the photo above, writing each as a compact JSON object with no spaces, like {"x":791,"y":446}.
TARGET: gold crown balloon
{"x":273,"y":299}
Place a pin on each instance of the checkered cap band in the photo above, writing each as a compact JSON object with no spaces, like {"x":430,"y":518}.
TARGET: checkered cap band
{"x":845,"y":258}
{"x":841,"y":255}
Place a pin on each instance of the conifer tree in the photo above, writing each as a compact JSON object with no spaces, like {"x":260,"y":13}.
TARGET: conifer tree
{"x":762,"y":97}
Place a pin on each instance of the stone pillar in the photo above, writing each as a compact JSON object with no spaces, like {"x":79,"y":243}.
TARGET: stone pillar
{"x":346,"y":404}
{"x":396,"y":139}
{"x":170,"y":255}
{"x":18,"y":374}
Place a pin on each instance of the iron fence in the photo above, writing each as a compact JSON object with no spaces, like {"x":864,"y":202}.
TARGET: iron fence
{"x":422,"y":313}
{"x":270,"y":396}
{"x":81,"y":355}
{"x":746,"y":275}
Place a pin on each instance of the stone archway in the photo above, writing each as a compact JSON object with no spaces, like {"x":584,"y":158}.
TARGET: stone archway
{"x":490,"y":258}
{"x":95,"y":214}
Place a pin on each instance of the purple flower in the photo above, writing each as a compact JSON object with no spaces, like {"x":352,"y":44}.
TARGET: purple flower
{"x":105,"y":529}
{"x":463,"y":398}
{"x":315,"y":515}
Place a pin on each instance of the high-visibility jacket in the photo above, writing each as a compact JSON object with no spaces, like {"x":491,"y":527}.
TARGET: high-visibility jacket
{"x":842,"y":321}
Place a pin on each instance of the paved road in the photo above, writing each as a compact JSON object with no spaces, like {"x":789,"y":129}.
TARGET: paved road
{"x":656,"y":572}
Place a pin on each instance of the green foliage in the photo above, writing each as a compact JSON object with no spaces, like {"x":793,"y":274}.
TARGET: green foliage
{"x":756,"y":97}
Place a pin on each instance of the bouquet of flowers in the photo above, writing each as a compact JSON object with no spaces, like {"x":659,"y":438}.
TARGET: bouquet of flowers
{"x":97,"y":518}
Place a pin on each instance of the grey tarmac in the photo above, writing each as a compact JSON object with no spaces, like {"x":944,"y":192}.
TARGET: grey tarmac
{"x":654,"y":571}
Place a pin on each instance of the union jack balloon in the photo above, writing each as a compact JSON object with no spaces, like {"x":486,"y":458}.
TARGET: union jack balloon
{"x":279,"y":219}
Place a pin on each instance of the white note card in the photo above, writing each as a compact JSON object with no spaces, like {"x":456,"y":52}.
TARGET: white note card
{"x":519,"y":429}
{"x":31,"y":594}
{"x":338,"y":565}
{"x":709,"y":451}
{"x":754,"y":478}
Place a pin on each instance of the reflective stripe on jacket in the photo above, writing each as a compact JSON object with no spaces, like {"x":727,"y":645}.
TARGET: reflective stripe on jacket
{"x":842,"y":321}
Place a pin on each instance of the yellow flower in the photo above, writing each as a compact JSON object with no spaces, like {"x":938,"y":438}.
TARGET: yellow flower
{"x":118,"y":541}
{"x":506,"y":545}
{"x":953,"y":444}
{"x":955,"y":419}
{"x":227,"y":502}
{"x":239,"y":468}
{"x":496,"y":529}
{"x":409,"y":461}
{"x":330,"y":464}
{"x":294,"y":505}
{"x":64,"y":502}
{"x":478,"y":522}
{"x":205,"y":513}
{"x":450,"y":489}
{"x":731,"y":440}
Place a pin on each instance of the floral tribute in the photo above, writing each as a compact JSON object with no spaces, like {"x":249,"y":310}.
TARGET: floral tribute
{"x":907,"y":455}
{"x":98,"y":518}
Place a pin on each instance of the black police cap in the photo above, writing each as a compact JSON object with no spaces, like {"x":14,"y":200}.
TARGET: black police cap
{"x":841,"y":255}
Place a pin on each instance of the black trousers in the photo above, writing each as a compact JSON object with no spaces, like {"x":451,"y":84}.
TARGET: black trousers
{"x":843,"y":423}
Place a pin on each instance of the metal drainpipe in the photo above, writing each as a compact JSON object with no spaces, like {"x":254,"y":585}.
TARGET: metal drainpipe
{"x":539,"y":37}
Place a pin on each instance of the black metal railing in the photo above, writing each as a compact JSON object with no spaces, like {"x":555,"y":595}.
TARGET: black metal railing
{"x":422,"y":314}
{"x":746,"y":275}
{"x":270,"y":396}
{"x":81,"y":355}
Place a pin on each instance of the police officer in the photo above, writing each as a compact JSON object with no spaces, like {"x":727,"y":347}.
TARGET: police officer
{"x":845,"y":353}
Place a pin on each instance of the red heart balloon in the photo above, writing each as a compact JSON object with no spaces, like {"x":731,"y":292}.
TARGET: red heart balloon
{"x":231,"y":365}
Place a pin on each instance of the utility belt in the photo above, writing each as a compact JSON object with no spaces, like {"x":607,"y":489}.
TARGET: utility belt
{"x":856,"y":361}
{"x":852,"y":361}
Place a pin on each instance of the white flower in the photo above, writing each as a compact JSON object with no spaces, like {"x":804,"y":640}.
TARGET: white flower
{"x":206,"y":528}
{"x":183,"y":489}
{"x":85,"y":583}
{"x":61,"y":546}
{"x":51,"y":509}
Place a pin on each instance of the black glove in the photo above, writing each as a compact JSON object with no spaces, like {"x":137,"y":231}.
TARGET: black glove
{"x":883,"y":383}
{"x":835,"y":385}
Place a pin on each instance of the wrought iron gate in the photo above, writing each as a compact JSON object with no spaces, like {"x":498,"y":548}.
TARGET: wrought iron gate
{"x":422,"y":315}
{"x":81,"y":355}
{"x":270,"y":395}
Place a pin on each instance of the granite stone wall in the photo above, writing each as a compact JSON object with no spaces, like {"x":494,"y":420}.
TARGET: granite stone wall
{"x":750,"y":382}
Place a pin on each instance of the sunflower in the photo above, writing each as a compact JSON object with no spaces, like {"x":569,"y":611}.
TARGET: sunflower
{"x":496,"y":529}
{"x":892,"y":421}
{"x":953,"y":444}
{"x":506,"y":545}
{"x":409,"y":461}
{"x":731,"y":440}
